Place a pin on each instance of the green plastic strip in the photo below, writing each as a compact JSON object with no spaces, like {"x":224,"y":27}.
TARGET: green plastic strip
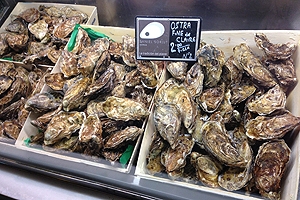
{"x":126,"y":156}
{"x":27,"y":141}
{"x":92,"y":34}
{"x":8,"y":58}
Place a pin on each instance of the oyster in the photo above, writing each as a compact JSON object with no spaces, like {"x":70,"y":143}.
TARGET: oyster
{"x":5,"y":83}
{"x":30,"y":15}
{"x":270,"y":164}
{"x":68,"y":64}
{"x":95,"y":108}
{"x":139,"y":94}
{"x":74,"y":96}
{"x":271,"y":127}
{"x":207,"y":168}
{"x":212,"y":59}
{"x":274,"y":51}
{"x":218,"y":143}
{"x":178,"y":70}
{"x":4,"y":48}
{"x":69,"y":12}
{"x":39,"y":29}
{"x":43,"y":102}
{"x":194,"y":80}
{"x":232,"y":73}
{"x":90,"y":129}
{"x":17,"y":42}
{"x":17,"y":26}
{"x":11,"y":128}
{"x":240,"y":92}
{"x":128,"y":53}
{"x":124,"y":109}
{"x":274,"y":99}
{"x":173,"y":93}
{"x":174,"y":159}
{"x":285,"y":72}
{"x":130,"y":133}
{"x":55,"y":81}
{"x":82,"y":41}
{"x":147,"y":72}
{"x":197,"y":134}
{"x":253,"y":66}
{"x":11,"y":111}
{"x":154,"y":156}
{"x":167,"y":120}
{"x":211,"y":98}
{"x":64,"y":29}
{"x":63,"y":125}
{"x":132,"y":78}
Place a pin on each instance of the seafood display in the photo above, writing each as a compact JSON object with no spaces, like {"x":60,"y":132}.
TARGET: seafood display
{"x":221,"y":122}
{"x":38,"y":35}
{"x":17,"y":86}
{"x":94,"y":104}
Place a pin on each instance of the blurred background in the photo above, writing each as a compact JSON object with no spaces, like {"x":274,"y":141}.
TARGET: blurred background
{"x":216,"y":14}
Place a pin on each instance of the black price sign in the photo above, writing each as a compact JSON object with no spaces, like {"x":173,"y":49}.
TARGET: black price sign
{"x":175,"y":39}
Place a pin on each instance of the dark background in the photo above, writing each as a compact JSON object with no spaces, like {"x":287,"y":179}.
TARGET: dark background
{"x":216,"y":14}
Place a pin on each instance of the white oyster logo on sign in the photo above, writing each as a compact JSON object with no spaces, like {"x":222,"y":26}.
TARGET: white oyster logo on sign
{"x":152,"y":31}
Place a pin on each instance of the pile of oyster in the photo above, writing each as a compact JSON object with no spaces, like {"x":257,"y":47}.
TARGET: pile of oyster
{"x":17,"y":84}
{"x":97,"y":102}
{"x":221,"y":121}
{"x":39,"y":35}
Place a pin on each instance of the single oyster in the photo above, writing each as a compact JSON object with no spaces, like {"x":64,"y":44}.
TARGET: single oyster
{"x":178,"y":70}
{"x":240,"y":92}
{"x":30,"y":15}
{"x":253,"y":66}
{"x":194,"y":80}
{"x":167,"y":120}
{"x":128,"y":53}
{"x":53,"y":54}
{"x":265,"y":127}
{"x":174,"y":159}
{"x":74,"y":96}
{"x":11,"y":128}
{"x":147,"y":72}
{"x":95,"y":108}
{"x":5,"y":83}
{"x":270,"y":164}
{"x":211,"y":98}
{"x":4,"y":48}
{"x":64,"y":29}
{"x":124,"y":109}
{"x":274,"y":51}
{"x":17,"y":41}
{"x":232,"y":73}
{"x":69,"y":12}
{"x":55,"y":81}
{"x":130,"y":133}
{"x":218,"y":143}
{"x":39,"y":29}
{"x":173,"y":93}
{"x":212,"y":59}
{"x":12,"y":110}
{"x":68,"y":64}
{"x":157,"y":145}
{"x":274,"y":99}
{"x":197,"y":134}
{"x":63,"y":125}
{"x":43,"y":102}
{"x":132,"y":78}
{"x":139,"y":94}
{"x":285,"y":72}
{"x":82,"y":41}
{"x":207,"y":168}
{"x":17,"y":26}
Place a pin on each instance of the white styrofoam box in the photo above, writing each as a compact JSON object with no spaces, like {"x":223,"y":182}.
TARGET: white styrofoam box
{"x":28,"y":130}
{"x":91,"y":11}
{"x":226,"y":40}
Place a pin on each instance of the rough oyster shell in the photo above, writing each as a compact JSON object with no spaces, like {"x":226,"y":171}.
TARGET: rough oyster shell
{"x":30,"y":15}
{"x":271,"y":127}
{"x":68,"y":64}
{"x":39,"y":29}
{"x":90,"y":129}
{"x":194,"y":80}
{"x":270,"y":164}
{"x":43,"y":102}
{"x":178,"y":70}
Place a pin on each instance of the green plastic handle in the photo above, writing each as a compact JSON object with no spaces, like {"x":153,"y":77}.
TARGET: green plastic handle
{"x":92,"y":34}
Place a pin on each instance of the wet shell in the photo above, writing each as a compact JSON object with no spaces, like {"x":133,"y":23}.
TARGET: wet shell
{"x":17,"y":26}
{"x":63,"y":125}
{"x":270,"y":164}
{"x":39,"y":29}
{"x":90,"y":129}
{"x":124,"y":109}
{"x":274,"y":99}
{"x":194,"y":80}
{"x":265,"y":127}
{"x":43,"y":102}
{"x":55,"y":81}
{"x":65,"y":28}
{"x":5,"y":83}
{"x":178,"y":70}
{"x":17,"y":41}
{"x":30,"y":15}
{"x":128,"y":134}
{"x":68,"y":64}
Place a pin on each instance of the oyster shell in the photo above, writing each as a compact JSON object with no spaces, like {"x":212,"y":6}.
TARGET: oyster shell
{"x":5,"y":83}
{"x":274,"y":99}
{"x":65,"y":28}
{"x":175,"y":159}
{"x":274,"y":51}
{"x":178,"y":70}
{"x":63,"y":125}
{"x":271,"y":127}
{"x":207,"y":168}
{"x":43,"y":102}
{"x":11,"y":128}
{"x":270,"y":164}
{"x":91,"y":128}
{"x":218,"y":143}
{"x":4,"y":48}
{"x":194,"y":80}
{"x":68,"y":64}
{"x":212,"y":59}
{"x":17,"y":26}
{"x":167,"y":120}
{"x":39,"y":29}
{"x":130,"y":133}
{"x":82,"y":41}
{"x":147,"y":72}
{"x":240,"y":92}
{"x":17,"y":41}
{"x":74,"y":96}
{"x":232,"y":73}
{"x":253,"y":66}
{"x":139,"y":94}
{"x":124,"y":109}
{"x":30,"y":15}
{"x":132,"y":78}
{"x":55,"y":81}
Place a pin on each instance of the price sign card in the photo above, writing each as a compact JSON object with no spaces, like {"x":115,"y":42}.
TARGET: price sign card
{"x":175,"y":39}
